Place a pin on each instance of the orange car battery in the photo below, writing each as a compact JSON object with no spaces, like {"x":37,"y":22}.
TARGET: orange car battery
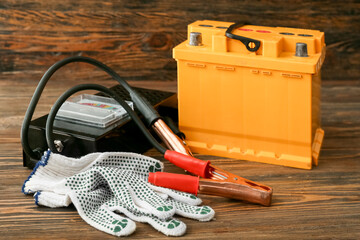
{"x":251,"y":92}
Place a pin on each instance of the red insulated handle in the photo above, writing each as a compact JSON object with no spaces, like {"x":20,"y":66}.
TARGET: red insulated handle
{"x":184,"y":183}
{"x":191,"y":164}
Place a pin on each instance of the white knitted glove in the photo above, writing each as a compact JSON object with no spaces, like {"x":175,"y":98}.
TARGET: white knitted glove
{"x":105,"y":183}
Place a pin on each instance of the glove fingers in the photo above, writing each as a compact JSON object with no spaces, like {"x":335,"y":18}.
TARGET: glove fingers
{"x":169,"y":227}
{"x":184,"y":197}
{"x":201,"y":213}
{"x":93,"y":208}
{"x":106,"y":220}
{"x":138,"y":196}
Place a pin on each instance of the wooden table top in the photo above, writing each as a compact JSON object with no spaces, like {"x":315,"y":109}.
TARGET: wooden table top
{"x":320,"y":203}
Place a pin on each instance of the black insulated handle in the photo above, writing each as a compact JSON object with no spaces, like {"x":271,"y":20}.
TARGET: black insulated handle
{"x":146,"y":109}
{"x":251,"y":45}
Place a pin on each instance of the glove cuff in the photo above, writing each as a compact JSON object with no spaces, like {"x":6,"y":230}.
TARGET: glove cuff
{"x":50,"y":199}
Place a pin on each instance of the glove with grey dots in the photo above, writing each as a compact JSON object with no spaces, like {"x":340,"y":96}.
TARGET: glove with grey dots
{"x":104,"y":185}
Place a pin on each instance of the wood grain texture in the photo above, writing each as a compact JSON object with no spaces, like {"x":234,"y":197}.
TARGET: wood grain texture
{"x":136,"y":37}
{"x":322,"y":203}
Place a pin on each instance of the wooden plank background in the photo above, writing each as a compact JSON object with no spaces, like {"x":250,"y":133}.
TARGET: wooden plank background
{"x":136,"y":37}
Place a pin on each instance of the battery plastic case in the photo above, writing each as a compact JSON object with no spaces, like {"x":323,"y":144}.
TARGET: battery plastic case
{"x":92,"y":110}
{"x":252,"y":93}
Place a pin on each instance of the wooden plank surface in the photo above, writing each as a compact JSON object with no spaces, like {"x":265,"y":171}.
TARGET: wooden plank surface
{"x":137,"y":37}
{"x":321,"y":203}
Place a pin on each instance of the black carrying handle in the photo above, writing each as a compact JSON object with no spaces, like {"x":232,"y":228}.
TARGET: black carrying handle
{"x":246,"y":41}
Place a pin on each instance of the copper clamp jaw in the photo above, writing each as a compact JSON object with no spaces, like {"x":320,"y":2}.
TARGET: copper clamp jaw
{"x":215,"y":181}
{"x":171,"y":140}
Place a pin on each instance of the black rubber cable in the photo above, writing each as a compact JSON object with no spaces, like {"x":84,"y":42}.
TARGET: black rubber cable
{"x":55,"y":108}
{"x":145,"y":108}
